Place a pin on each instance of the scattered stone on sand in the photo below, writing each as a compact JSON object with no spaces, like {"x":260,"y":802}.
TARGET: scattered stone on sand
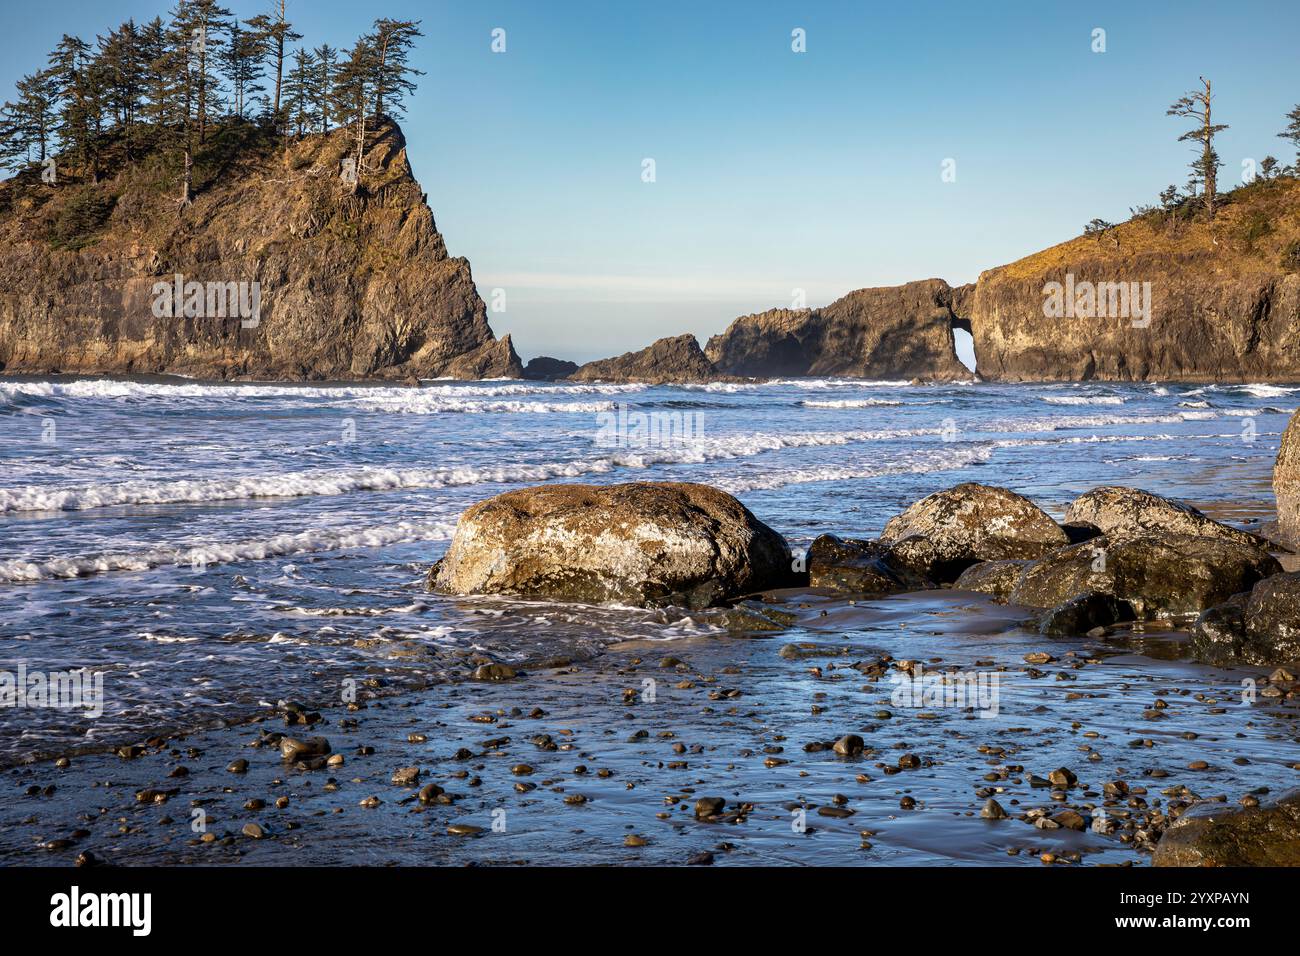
{"x":849,"y":745}
{"x":291,"y":748}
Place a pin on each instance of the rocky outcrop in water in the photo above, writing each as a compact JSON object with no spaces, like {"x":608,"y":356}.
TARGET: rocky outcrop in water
{"x":1118,"y":511}
{"x":336,"y":285}
{"x":670,"y":360}
{"x":885,"y":333}
{"x":641,"y":543}
{"x":1223,"y":298}
{"x":547,"y":369}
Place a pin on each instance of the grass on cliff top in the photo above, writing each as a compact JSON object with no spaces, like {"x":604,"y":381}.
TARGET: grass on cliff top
{"x":143,"y":185}
{"x":1256,"y":229}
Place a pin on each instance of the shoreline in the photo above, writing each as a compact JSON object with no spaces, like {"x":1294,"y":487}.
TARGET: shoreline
{"x":730,"y":721}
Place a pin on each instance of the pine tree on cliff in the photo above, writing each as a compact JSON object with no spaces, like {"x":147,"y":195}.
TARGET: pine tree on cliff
{"x":350,"y":95}
{"x":122,"y":67}
{"x":155,"y":45}
{"x":27,"y":126}
{"x":1292,"y":133}
{"x":199,"y":23}
{"x":276,"y":31}
{"x":1196,"y":106}
{"x":78,"y":79}
{"x":299,"y":99}
{"x":174,"y":97}
{"x":391,"y":44}
{"x":324,"y":63}
{"x":241,"y":62}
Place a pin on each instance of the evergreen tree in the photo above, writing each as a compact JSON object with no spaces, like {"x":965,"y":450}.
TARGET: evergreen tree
{"x":1196,"y":106}
{"x":242,"y":61}
{"x":199,"y":23}
{"x":1292,"y":133}
{"x":391,"y":44}
{"x":27,"y":126}
{"x":299,"y":101}
{"x":276,"y":31}
{"x":325,"y":63}
{"x":350,"y":95}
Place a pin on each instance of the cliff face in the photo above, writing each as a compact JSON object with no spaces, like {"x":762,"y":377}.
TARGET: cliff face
{"x":347,"y":286}
{"x":1224,"y":300}
{"x":677,"y":359}
{"x":895,"y":332}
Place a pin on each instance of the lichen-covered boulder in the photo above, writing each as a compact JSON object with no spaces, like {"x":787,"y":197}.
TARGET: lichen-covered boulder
{"x":1286,"y":484}
{"x":641,"y":543}
{"x":996,"y":578}
{"x":1169,"y":576}
{"x":973,"y":522}
{"x":1217,"y":834}
{"x":1124,"y":512}
{"x":857,"y":566}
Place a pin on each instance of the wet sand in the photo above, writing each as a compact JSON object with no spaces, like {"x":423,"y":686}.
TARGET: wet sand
{"x":730,"y":717}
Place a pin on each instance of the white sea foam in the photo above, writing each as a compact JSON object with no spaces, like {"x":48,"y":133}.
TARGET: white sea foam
{"x":199,"y":555}
{"x":922,"y":463}
{"x":1083,"y":400}
{"x":100,"y":389}
{"x":32,"y":498}
{"x":848,"y":403}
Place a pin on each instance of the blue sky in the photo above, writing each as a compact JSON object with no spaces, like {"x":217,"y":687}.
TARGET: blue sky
{"x":777,"y":170}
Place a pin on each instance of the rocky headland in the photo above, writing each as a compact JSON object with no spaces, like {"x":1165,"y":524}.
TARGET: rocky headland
{"x":335,"y":283}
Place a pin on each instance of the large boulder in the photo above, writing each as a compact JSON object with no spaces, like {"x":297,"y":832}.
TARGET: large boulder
{"x":970,"y":523}
{"x":1160,"y":577}
{"x":859,"y":567}
{"x":1286,"y":484}
{"x":1272,"y":619}
{"x":641,"y":543}
{"x":1119,"y":511}
{"x":1216,"y":834}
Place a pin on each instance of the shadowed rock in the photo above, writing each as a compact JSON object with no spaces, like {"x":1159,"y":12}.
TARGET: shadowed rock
{"x":1168,"y":576}
{"x":668,"y":360}
{"x":893,"y":332}
{"x":1214,"y":834}
{"x":856,"y":566}
{"x":547,"y":369}
{"x":642,"y":543}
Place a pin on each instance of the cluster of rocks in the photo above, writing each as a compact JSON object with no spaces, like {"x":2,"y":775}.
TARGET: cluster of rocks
{"x":1121,"y":554}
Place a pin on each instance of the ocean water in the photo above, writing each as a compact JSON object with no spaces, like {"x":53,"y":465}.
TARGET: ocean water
{"x":211,"y":549}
